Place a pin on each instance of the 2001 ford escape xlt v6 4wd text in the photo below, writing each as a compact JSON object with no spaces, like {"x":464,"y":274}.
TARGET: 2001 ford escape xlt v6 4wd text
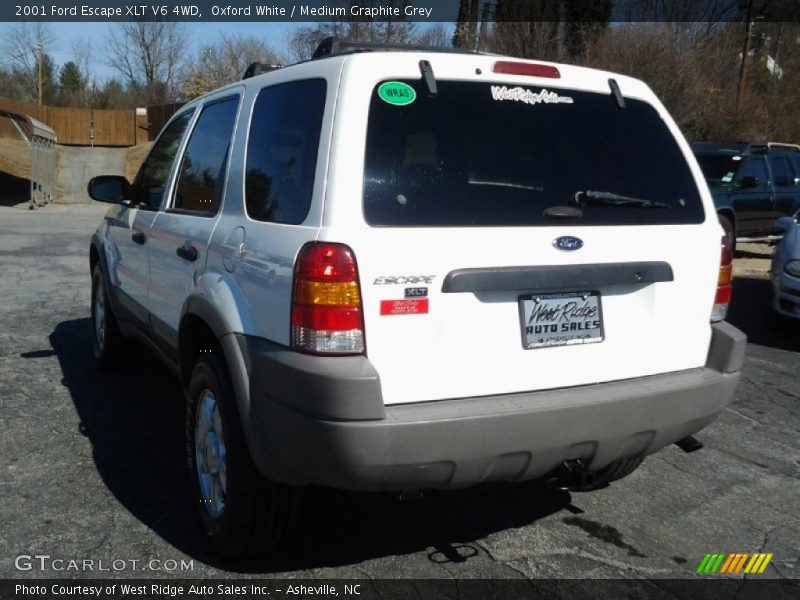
{"x":402,"y":269}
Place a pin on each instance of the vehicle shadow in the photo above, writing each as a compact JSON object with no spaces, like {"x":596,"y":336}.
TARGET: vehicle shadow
{"x":750,"y":311}
{"x":134,"y":421}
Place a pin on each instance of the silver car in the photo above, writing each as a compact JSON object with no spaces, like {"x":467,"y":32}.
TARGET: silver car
{"x":786,"y":270}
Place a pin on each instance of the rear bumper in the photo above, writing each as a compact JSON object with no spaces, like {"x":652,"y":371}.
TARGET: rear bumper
{"x":316,"y":421}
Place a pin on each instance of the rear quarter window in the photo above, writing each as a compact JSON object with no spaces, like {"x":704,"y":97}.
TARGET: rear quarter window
{"x":282,"y":151}
{"x":482,"y":154}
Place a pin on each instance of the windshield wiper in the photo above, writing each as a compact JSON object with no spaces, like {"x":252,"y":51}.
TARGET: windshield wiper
{"x":611,"y":199}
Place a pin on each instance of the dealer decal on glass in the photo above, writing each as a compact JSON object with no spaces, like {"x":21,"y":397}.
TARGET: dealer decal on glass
{"x":521,"y":94}
{"x":560,"y":319}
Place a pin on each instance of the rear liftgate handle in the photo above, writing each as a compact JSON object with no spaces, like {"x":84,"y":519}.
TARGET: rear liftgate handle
{"x":187,"y":251}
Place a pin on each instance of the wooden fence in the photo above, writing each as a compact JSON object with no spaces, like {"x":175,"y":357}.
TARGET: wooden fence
{"x":98,"y":127}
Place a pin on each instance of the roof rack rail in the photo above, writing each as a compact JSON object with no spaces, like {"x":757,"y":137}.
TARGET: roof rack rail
{"x":259,"y":68}
{"x":762,"y":147}
{"x":332,"y":46}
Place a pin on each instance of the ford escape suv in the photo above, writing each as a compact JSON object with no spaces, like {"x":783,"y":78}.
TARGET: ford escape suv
{"x":400,"y":269}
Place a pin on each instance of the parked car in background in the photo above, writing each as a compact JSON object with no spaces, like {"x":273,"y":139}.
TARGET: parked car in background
{"x":753,"y":184}
{"x":786,"y":270}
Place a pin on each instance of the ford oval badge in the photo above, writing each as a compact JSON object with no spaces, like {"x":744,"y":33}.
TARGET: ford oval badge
{"x":568,"y":242}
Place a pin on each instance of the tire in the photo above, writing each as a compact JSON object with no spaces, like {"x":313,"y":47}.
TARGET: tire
{"x":242,"y":514}
{"x":730,"y":230}
{"x":107,"y":341}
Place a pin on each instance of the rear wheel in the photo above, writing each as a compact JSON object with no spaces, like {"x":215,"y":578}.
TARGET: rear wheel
{"x":730,"y":230}
{"x":107,"y":341}
{"x":242,"y":513}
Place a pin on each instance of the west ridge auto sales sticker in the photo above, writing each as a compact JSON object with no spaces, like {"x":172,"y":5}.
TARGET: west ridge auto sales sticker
{"x":521,"y":94}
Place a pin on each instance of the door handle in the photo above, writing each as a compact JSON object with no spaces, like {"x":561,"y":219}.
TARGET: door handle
{"x":188,"y":252}
{"x":138,"y":237}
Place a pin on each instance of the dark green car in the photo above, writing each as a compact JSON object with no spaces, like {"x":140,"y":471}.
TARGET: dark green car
{"x":753,"y":184}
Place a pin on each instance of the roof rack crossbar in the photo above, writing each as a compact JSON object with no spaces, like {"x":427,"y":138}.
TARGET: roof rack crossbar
{"x":259,"y":68}
{"x":332,"y":46}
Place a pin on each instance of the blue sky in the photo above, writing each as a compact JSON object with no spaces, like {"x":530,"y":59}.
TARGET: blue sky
{"x":275,"y":34}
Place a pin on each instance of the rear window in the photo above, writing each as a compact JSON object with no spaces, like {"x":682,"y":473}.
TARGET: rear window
{"x":480,"y":154}
{"x":719,"y":168}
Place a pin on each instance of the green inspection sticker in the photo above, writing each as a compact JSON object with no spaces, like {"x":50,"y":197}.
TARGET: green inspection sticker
{"x":397,"y":93}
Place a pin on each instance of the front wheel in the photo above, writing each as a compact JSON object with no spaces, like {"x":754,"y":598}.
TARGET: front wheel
{"x":107,"y":340}
{"x":242,"y":513}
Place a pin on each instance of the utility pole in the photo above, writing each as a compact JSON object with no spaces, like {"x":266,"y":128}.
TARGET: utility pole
{"x":745,"y":51}
{"x":40,"y":47}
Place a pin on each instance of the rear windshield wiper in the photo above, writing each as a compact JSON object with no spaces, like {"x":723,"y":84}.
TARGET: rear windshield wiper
{"x":611,"y":199}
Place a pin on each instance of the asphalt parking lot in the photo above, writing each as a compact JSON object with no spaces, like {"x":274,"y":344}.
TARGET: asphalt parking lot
{"x":91,"y":464}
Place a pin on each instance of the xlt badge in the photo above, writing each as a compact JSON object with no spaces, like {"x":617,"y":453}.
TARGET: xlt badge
{"x":416,"y":292}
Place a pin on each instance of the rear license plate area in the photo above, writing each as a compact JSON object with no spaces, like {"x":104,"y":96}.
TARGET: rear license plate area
{"x":560,"y":319}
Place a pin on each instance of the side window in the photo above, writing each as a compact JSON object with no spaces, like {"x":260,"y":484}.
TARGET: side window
{"x":149,"y":185}
{"x":781,"y":171}
{"x":795,"y":160}
{"x":202,"y":174}
{"x":754,"y":166}
{"x":282,"y":151}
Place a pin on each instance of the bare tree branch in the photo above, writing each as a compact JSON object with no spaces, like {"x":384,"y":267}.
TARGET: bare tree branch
{"x":149,"y":55}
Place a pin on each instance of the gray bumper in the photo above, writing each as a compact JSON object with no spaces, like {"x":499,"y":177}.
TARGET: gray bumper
{"x":322,"y":420}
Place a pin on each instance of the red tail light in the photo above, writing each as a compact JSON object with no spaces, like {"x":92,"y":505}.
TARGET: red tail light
{"x":326,"y":301}
{"x":723,"y":297}
{"x":508,"y":67}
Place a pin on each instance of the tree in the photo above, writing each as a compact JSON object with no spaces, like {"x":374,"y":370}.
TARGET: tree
{"x":466,"y":24}
{"x":304,"y":40}
{"x":584,"y":22}
{"x":70,"y":78}
{"x":150,"y":56}
{"x":21,"y":45}
{"x":112,"y":95}
{"x":225,"y":62}
{"x":434,"y":36}
{"x":527,"y":29}
{"x":82,"y":57}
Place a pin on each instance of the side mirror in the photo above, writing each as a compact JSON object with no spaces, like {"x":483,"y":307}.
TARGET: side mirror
{"x":109,"y":188}
{"x":785,"y":224}
{"x":749,"y":181}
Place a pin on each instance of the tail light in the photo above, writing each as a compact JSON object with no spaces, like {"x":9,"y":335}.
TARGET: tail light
{"x":723,"y":296}
{"x":327,"y":316}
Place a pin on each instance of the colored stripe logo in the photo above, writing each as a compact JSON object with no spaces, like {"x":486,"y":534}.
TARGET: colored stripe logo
{"x":734,"y":563}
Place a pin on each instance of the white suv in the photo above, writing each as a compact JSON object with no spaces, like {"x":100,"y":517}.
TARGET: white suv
{"x":402,"y":269}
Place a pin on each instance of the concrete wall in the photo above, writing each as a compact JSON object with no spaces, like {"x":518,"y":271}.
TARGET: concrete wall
{"x":77,"y":165}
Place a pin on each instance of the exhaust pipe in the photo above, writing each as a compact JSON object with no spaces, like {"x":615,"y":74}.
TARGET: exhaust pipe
{"x":572,"y":475}
{"x":689,"y":444}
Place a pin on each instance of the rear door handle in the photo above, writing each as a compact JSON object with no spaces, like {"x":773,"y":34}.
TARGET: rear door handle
{"x":188,"y":252}
{"x":138,"y":237}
